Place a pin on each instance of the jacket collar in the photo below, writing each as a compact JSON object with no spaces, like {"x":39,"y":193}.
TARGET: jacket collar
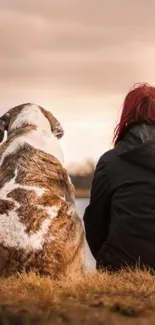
{"x":134,"y":137}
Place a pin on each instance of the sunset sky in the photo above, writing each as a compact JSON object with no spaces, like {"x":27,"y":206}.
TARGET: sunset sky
{"x":77,"y":58}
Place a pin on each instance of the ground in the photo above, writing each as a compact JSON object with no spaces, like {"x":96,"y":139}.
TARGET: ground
{"x":127,"y":297}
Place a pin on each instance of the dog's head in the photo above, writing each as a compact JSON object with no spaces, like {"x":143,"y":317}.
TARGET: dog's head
{"x":29,"y":114}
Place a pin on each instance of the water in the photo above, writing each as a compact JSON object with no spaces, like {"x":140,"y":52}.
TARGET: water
{"x":81,"y":205}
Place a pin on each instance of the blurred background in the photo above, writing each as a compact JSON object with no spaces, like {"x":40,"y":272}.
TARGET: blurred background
{"x":77,"y":59}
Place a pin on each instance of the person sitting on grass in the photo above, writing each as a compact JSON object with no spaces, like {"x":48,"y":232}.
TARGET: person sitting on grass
{"x":120,"y":218}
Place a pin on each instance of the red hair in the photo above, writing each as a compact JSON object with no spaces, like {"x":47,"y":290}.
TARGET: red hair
{"x":139,"y":106}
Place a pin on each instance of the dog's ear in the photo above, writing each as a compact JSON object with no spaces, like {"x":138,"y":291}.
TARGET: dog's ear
{"x":4,"y":123}
{"x":56,"y":127}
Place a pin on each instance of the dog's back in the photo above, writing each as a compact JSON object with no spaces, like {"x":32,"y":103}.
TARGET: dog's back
{"x":39,"y":227}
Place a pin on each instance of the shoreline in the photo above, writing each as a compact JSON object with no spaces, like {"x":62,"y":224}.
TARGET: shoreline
{"x":82,"y":194}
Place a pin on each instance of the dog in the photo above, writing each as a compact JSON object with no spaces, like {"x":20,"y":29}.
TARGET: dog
{"x":40,"y":230}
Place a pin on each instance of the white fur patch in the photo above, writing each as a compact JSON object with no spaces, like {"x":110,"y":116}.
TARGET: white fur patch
{"x":12,"y":231}
{"x":38,"y":140}
{"x":42,"y":138}
{"x":11,"y":185}
{"x":69,"y":179}
{"x":31,"y":115}
{"x":71,"y":211}
{"x":72,"y":208}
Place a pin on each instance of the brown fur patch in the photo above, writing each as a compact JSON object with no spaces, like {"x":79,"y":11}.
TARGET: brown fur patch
{"x":55,"y":125}
{"x":29,"y":214}
{"x":10,"y":116}
{"x":6,"y":206}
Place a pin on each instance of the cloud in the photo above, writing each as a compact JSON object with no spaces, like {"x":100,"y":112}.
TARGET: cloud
{"x":78,"y":59}
{"x":80,"y":46}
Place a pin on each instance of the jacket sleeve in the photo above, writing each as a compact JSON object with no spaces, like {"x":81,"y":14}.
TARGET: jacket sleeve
{"x":97,"y":214}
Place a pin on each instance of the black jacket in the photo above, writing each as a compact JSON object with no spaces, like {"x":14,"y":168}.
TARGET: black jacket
{"x":120,"y":219}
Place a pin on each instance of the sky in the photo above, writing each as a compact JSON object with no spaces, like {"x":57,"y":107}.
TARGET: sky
{"x":77,"y":59}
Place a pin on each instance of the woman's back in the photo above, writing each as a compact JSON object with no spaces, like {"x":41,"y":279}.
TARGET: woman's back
{"x":120,"y":219}
{"x":131,"y":175}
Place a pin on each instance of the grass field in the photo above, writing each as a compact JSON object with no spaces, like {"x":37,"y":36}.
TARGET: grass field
{"x":94,"y":298}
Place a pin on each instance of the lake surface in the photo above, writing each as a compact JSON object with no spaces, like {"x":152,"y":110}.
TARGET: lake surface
{"x":81,"y":204}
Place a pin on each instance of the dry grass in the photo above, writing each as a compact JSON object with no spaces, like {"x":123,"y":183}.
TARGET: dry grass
{"x":94,"y":298}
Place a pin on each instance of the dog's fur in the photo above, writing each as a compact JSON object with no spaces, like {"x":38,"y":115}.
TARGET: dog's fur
{"x":39,"y":227}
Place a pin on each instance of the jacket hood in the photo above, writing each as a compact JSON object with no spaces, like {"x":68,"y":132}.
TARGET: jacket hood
{"x":138,"y":145}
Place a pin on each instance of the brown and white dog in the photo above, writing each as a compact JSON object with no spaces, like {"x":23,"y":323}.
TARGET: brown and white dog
{"x":39,"y":227}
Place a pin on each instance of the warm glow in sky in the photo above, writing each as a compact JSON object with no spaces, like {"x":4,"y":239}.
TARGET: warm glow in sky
{"x":78,"y":59}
